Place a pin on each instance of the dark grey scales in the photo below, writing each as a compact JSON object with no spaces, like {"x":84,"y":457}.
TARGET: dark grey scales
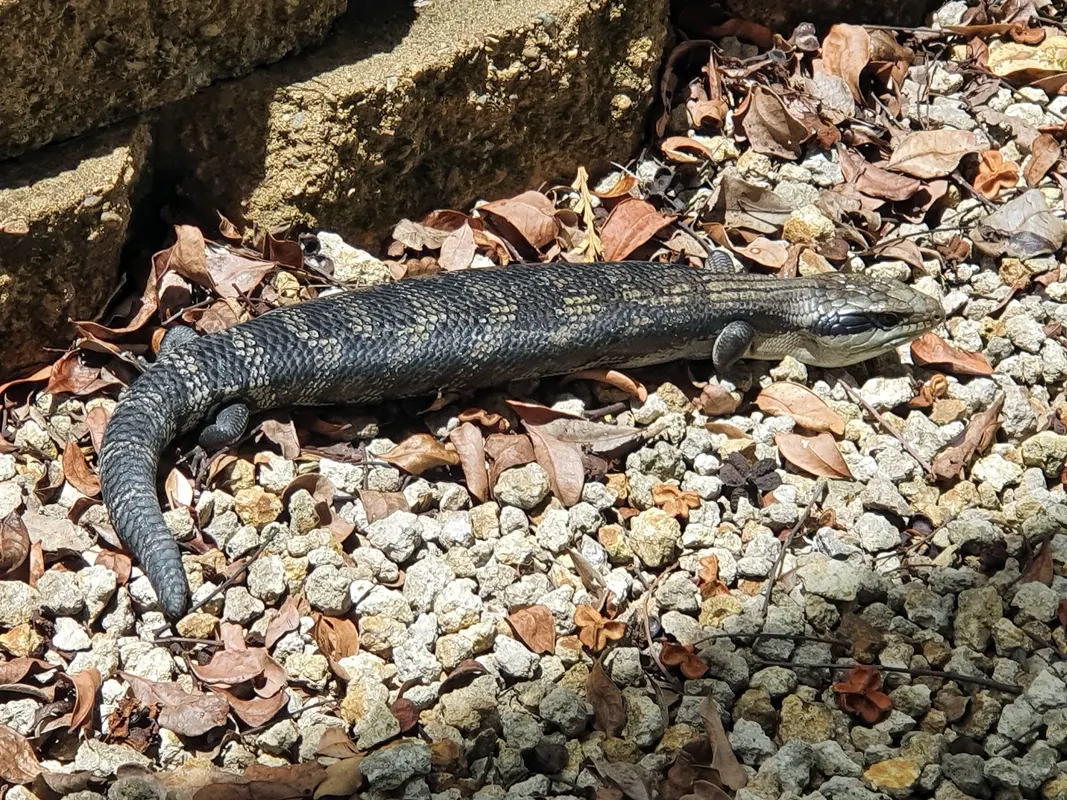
{"x":467,"y":330}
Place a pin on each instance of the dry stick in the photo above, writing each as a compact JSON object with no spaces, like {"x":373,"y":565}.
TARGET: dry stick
{"x":906,"y":236}
{"x":793,"y":637}
{"x":915,"y":672}
{"x":887,"y":427}
{"x":649,"y":591}
{"x":816,"y":496}
{"x":614,"y":408}
{"x":226,"y":584}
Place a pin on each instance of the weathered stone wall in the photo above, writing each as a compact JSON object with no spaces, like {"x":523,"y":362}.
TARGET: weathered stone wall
{"x":72,"y":66}
{"x":64,"y":216}
{"x":477,"y":99}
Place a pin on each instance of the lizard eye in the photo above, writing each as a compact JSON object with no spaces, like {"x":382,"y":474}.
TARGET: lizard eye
{"x":887,"y":320}
{"x":850,"y":323}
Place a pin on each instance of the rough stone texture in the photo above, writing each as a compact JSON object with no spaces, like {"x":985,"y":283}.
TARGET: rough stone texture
{"x":64,"y":214}
{"x":785,"y":16}
{"x":72,"y":67}
{"x":393,"y":117}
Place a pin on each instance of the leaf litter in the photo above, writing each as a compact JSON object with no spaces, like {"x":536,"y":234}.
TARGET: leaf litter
{"x":844,"y":97}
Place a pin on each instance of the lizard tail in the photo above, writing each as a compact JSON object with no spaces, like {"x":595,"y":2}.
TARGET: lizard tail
{"x":144,"y":422}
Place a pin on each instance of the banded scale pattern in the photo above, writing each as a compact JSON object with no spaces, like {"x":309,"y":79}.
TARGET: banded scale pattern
{"x":456,"y":332}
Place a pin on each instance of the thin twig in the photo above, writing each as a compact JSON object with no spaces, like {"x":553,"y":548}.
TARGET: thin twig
{"x":887,"y":427}
{"x":816,"y":497}
{"x":226,"y":584}
{"x":793,"y":637}
{"x":649,"y":591}
{"x":614,"y":408}
{"x":915,"y":672}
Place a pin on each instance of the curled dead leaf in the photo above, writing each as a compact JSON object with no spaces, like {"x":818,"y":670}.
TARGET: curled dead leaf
{"x":420,"y":453}
{"x":805,"y":407}
{"x":469,"y":444}
{"x":845,"y":53}
{"x":932,"y":153}
{"x":816,"y":455}
{"x":14,"y":543}
{"x":609,"y":709}
{"x":629,"y":225}
{"x":536,"y":627}
{"x":931,"y":350}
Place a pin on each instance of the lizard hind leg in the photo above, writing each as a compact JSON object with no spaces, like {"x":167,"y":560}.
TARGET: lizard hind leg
{"x":176,"y":337}
{"x":227,"y":429}
{"x":732,"y":344}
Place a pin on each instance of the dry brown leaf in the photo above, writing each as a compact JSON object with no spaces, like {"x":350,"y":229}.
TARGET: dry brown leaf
{"x":931,"y":350}
{"x":337,"y":638}
{"x":683,"y":149}
{"x":563,"y":463}
{"x":379,"y":505}
{"x":611,"y":377}
{"x":119,"y":563}
{"x":716,"y":400}
{"x":859,"y":694}
{"x":490,"y":421}
{"x":507,"y":451}
{"x":1025,"y":63}
{"x":845,"y":53}
{"x":536,"y":627}
{"x":231,"y":667}
{"x":179,"y":489}
{"x":334,"y":743}
{"x":530,"y":213}
{"x":343,"y":779}
{"x":1044,"y":153}
{"x":976,"y":437}
{"x":874,"y":181}
{"x":406,"y":713}
{"x":465,"y":672}
{"x":933,"y":153}
{"x":70,"y":375}
{"x":255,"y":711}
{"x":86,"y":683}
{"x":629,"y":225}
{"x":96,"y":421}
{"x":711,"y":584}
{"x":185,"y":713}
{"x":469,"y":443}
{"x":457,"y":250}
{"x":609,"y":709}
{"x":624,"y":184}
{"x":14,"y":543}
{"x":808,"y":410}
{"x":77,"y":472}
{"x":816,"y":455}
{"x":723,"y":760}
{"x":994,"y":174}
{"x":420,"y":453}
{"x":628,"y":778}
{"x":287,"y":619}
{"x":769,"y":126}
{"x":18,"y":763}
{"x":283,"y":433}
{"x":764,"y":252}
{"x":594,"y":631}
{"x":1039,"y":570}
